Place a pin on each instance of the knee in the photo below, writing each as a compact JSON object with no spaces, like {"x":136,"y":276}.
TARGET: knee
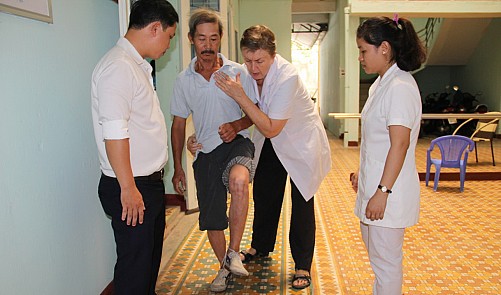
{"x":239,"y":180}
{"x":239,"y":175}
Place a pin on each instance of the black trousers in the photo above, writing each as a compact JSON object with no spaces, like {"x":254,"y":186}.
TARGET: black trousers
{"x":268,"y":194}
{"x":139,"y":248}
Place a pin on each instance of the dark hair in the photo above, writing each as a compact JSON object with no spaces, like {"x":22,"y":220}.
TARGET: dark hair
{"x":204,"y":16}
{"x":407,"y":49}
{"x":259,"y":37}
{"x":144,"y":12}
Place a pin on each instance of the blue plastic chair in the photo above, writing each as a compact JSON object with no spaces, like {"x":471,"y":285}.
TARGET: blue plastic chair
{"x":454,"y":150}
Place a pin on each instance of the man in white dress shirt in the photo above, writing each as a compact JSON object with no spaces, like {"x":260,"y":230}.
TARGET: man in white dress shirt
{"x":131,"y":137}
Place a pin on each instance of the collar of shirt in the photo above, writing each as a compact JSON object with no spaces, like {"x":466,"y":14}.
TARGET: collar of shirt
{"x":193,"y":61}
{"x":272,"y":75}
{"x":377,"y":86}
{"x":269,"y":80}
{"x":389,"y":73}
{"x":132,"y":52}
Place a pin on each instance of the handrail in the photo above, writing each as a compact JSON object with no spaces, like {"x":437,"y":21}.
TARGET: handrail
{"x":427,"y":116}
{"x":426,"y":33}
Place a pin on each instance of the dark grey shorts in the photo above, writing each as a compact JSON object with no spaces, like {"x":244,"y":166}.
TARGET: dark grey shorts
{"x":211,"y":173}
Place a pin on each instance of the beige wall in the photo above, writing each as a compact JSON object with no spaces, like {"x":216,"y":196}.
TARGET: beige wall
{"x":333,"y":95}
{"x":329,"y":78}
{"x":276,"y":14}
{"x":483,"y":71}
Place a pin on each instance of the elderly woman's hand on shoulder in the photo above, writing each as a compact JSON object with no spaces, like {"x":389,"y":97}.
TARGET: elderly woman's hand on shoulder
{"x":232,"y":88}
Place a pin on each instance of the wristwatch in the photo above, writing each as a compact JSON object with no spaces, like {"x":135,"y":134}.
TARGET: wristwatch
{"x":384,"y":189}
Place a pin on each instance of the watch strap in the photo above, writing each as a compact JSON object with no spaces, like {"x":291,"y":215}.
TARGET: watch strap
{"x":388,"y":191}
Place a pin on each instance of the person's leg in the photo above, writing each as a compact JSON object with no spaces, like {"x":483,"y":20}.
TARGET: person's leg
{"x":384,"y":246}
{"x":302,"y":231}
{"x":364,"y":230}
{"x":211,"y":195}
{"x":239,"y":190}
{"x":217,"y":241}
{"x":236,"y":177}
{"x":212,"y":200}
{"x":137,"y":249}
{"x":268,"y":194}
{"x":302,"y":235}
{"x":158,"y":235}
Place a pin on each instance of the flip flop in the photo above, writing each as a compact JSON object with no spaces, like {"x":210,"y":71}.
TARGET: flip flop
{"x":296,"y":278}
{"x":248,"y":257}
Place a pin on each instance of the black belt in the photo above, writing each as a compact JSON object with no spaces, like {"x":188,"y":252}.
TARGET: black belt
{"x":159,"y":175}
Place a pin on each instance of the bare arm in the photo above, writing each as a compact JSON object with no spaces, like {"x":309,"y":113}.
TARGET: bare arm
{"x":177,"y":139}
{"x":118,"y":152}
{"x":400,"y":141}
{"x":233,"y":88}
{"x":228,"y":131}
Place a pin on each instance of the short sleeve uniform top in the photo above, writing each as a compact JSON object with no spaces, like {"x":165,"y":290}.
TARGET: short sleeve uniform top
{"x":393,"y":100}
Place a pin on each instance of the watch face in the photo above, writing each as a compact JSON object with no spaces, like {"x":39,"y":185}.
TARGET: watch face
{"x":384,"y":189}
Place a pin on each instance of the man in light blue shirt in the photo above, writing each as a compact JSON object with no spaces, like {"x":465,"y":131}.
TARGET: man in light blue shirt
{"x":224,"y":163}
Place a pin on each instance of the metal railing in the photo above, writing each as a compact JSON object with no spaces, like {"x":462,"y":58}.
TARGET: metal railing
{"x":426,"y":34}
{"x":428,"y":116}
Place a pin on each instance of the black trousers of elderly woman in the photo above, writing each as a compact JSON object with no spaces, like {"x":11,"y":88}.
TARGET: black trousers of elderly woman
{"x":268,"y":193}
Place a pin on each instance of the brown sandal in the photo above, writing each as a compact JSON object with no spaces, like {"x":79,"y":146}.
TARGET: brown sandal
{"x":297,"y":277}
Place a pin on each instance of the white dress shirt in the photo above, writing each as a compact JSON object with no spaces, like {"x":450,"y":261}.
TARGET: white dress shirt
{"x":125,"y":105}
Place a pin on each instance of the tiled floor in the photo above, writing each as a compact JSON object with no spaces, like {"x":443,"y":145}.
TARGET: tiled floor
{"x":455,"y":248}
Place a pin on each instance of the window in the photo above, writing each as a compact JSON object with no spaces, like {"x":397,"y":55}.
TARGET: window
{"x":213,"y":4}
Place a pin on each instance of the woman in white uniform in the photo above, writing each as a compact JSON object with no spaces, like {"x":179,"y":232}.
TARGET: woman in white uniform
{"x":290,"y":139}
{"x":387,"y":182}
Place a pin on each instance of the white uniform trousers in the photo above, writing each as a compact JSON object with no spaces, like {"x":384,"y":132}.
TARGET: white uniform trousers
{"x":384,"y":246}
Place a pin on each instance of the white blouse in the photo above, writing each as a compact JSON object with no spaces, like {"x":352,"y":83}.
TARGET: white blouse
{"x":302,"y":145}
{"x":393,"y":100}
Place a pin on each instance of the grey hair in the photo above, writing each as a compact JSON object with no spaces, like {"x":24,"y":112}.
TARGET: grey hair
{"x":203,"y":16}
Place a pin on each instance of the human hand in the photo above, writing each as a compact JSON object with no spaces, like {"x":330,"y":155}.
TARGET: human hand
{"x":232,"y":88}
{"x":376,"y":206}
{"x":354,"y":180}
{"x":132,"y":206}
{"x":227,"y":132}
{"x":192,"y":144}
{"x":179,"y":181}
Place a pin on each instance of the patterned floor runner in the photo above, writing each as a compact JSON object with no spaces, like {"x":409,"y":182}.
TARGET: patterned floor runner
{"x":455,"y":248}
{"x":194,"y":265}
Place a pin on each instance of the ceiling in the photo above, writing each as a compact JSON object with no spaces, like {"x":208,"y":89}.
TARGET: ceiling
{"x":457,"y":41}
{"x":310,"y":20}
{"x":313,"y":6}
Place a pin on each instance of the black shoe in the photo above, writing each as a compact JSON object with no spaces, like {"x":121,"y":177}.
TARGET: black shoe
{"x":246,"y":256}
